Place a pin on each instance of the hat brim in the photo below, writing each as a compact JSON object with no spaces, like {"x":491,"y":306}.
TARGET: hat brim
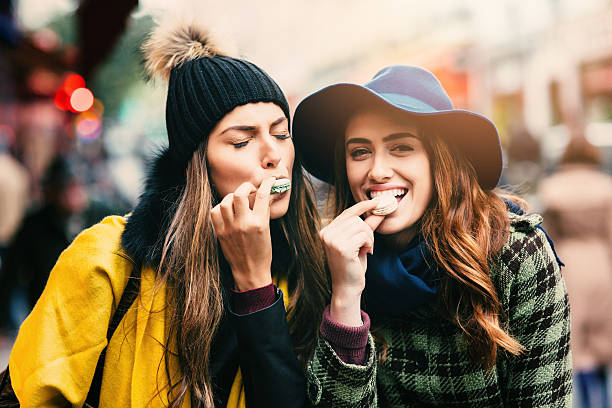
{"x":322,"y":117}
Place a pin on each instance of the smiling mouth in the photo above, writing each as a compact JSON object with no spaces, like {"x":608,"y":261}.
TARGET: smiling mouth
{"x":396,"y":192}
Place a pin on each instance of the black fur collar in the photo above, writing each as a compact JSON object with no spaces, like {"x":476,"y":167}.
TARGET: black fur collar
{"x":146,"y":228}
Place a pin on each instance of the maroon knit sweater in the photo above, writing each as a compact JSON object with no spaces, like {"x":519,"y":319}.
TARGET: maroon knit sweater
{"x":348,"y":342}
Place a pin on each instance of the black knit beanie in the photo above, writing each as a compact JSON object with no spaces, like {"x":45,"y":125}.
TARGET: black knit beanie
{"x":202,"y":91}
{"x":203,"y":85}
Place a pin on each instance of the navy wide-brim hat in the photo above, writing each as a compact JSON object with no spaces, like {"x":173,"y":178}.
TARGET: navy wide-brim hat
{"x":322,"y":117}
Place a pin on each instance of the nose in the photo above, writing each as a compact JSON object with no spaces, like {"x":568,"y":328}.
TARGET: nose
{"x":269,"y":152}
{"x":380,"y":171}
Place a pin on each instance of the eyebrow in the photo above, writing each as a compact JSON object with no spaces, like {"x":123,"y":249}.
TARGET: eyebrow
{"x":278,"y":121}
{"x":244,"y":128}
{"x":393,"y":136}
{"x":241,"y":128}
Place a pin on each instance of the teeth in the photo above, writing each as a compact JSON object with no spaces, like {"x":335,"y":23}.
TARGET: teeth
{"x":394,"y":192}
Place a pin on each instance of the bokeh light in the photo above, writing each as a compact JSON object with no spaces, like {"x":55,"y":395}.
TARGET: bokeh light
{"x":87,"y":126}
{"x":62,"y":99}
{"x":73,"y":82}
{"x":97,"y":108}
{"x":81,"y":99}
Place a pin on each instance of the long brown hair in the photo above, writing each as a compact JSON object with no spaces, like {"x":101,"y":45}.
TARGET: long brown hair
{"x":464,"y":227}
{"x":191,"y":269}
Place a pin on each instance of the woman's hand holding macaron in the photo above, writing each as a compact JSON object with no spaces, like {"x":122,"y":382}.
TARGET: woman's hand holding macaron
{"x":242,"y":225}
{"x":347,"y":240}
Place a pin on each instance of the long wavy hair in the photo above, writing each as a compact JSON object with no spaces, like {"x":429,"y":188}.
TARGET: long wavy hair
{"x":465,"y":227}
{"x":192,"y":268}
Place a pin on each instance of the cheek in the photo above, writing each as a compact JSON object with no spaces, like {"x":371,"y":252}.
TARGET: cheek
{"x":354,"y":175}
{"x":426,"y":184}
{"x":215,"y":182}
{"x":428,"y":181}
{"x":429,"y":192}
{"x":227,"y":173}
{"x":289,"y":156}
{"x":356,"y":171}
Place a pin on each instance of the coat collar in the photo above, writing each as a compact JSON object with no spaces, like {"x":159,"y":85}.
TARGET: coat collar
{"x":147,"y":226}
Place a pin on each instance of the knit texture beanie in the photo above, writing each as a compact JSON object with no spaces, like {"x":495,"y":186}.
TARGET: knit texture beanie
{"x":203,"y":84}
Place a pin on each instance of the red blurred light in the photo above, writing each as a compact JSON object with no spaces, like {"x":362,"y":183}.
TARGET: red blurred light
{"x":81,"y":99}
{"x":73,"y":82}
{"x":43,"y":82}
{"x":62,"y":99}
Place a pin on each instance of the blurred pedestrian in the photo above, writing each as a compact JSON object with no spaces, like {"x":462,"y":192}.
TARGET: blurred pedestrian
{"x":523,"y":167}
{"x":42,"y":236}
{"x":14,"y":187}
{"x":577,"y":200}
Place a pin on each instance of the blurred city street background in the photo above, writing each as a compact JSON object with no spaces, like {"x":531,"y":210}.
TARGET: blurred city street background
{"x":78,"y":119}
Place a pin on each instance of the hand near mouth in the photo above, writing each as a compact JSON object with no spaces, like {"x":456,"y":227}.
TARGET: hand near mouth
{"x":347,"y":240}
{"x":244,"y":234}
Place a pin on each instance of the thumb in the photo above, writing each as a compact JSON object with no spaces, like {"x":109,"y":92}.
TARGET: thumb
{"x":374,"y":221}
{"x":363,"y":256}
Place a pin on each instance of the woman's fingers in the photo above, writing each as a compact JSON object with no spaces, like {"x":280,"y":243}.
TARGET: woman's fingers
{"x":235,"y":206}
{"x":358,"y":209}
{"x":262,"y":198}
{"x":350,"y":226}
{"x":226,"y":206}
{"x":234,"y":209}
{"x":217,"y":220}
{"x":348,"y":237}
{"x":364,"y":242}
{"x":244,"y":236}
{"x":241,"y":199}
{"x":374,"y":221}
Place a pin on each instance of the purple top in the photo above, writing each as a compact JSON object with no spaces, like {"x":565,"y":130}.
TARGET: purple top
{"x":348,"y":342}
{"x":253,"y":300}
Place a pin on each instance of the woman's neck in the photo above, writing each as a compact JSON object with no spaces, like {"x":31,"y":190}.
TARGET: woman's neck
{"x":400,"y":240}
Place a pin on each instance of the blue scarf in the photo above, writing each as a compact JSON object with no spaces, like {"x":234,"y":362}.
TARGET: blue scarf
{"x":398,"y":283}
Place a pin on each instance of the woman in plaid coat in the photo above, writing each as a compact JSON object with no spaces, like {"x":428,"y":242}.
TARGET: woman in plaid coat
{"x":462,"y":304}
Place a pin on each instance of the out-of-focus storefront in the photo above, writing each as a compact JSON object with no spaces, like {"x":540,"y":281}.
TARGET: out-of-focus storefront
{"x":552,"y":80}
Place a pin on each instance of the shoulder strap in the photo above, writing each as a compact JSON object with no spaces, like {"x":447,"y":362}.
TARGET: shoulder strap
{"x":127,"y":299}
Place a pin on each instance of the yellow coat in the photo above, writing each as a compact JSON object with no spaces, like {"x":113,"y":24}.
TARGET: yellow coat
{"x":57,"y":349}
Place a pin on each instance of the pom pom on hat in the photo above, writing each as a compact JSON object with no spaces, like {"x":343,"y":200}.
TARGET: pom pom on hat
{"x":204,"y":83}
{"x":174,"y":42}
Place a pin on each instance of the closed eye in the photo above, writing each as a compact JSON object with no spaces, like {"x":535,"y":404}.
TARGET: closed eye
{"x":282,"y":136}
{"x":241,"y":143}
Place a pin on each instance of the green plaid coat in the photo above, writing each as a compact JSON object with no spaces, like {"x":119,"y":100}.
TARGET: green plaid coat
{"x":428,"y":364}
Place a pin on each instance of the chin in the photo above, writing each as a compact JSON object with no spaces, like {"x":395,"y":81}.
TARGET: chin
{"x":393,"y":226}
{"x":279,"y":209}
{"x":388,"y":229}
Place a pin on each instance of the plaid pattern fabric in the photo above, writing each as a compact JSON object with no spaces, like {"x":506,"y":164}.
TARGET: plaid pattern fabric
{"x":428,"y":364}
{"x":332,"y":383}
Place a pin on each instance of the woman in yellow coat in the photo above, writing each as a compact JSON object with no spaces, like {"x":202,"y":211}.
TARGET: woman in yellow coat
{"x":213,"y":228}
